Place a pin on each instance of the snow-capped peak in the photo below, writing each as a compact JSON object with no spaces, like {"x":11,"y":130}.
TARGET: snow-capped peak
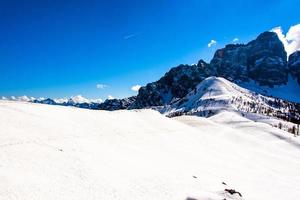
{"x":20,"y":98}
{"x":61,"y":100}
{"x":25,"y":98}
{"x":215,"y":94}
{"x":78,"y":99}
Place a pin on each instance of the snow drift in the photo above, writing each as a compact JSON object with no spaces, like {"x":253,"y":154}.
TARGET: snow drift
{"x":55,"y":152}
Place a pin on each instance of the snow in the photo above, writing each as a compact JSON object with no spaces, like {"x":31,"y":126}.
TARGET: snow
{"x":56,"y":152}
{"x":60,"y":100}
{"x":96,"y":100}
{"x":216,"y":94}
{"x":78,"y":99}
{"x":20,"y":98}
{"x":213,"y":93}
{"x":290,"y":91}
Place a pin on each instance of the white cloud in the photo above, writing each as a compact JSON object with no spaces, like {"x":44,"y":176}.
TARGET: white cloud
{"x":110,"y":97}
{"x":135,"y":88}
{"x":212,"y":42}
{"x":101,"y":86}
{"x":235,"y":40}
{"x":291,"y":40}
{"x":126,"y":37}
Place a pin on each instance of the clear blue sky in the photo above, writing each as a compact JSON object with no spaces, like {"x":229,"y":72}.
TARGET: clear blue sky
{"x":60,"y":48}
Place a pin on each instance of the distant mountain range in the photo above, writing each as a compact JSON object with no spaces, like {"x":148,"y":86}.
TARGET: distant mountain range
{"x":272,"y":80}
{"x":77,"y":101}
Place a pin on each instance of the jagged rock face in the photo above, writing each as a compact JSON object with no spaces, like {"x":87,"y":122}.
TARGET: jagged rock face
{"x":173,"y":85}
{"x":267,"y":60}
{"x":294,"y":65}
{"x":116,"y":104}
{"x":231,"y":62}
{"x":263,"y":60}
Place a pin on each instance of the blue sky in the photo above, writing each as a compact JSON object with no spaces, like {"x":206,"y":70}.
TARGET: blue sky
{"x":64,"y":48}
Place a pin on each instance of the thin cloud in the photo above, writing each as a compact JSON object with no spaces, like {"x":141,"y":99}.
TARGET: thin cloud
{"x":235,"y":40}
{"x":101,"y":86}
{"x":291,"y":40}
{"x":135,"y":88}
{"x":212,"y":43}
{"x":126,"y":37}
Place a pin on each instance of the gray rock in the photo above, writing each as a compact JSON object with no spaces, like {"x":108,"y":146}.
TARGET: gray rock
{"x":116,"y":104}
{"x":262,"y":60}
{"x":174,"y":85}
{"x":294,"y":65}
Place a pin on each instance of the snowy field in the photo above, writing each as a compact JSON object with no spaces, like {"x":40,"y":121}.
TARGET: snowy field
{"x":55,"y":152}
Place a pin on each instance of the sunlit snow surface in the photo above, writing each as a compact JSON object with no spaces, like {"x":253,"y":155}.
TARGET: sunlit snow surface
{"x":56,"y":152}
{"x":290,"y":91}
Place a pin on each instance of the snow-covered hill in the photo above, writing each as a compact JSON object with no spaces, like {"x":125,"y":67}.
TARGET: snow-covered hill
{"x":215,"y":94}
{"x":57,"y":152}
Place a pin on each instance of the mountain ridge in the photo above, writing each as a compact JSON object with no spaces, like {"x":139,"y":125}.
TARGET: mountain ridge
{"x":260,"y":65}
{"x":216,"y":94}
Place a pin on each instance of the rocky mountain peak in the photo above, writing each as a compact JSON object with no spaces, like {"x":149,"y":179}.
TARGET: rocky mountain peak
{"x":175,"y":84}
{"x":262,"y":60}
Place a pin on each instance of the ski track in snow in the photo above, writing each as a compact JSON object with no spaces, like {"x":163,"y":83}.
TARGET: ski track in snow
{"x":55,"y":152}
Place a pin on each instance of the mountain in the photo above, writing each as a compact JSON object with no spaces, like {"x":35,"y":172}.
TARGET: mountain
{"x":45,"y":101}
{"x":77,"y":101}
{"x":260,"y":65}
{"x":20,"y":98}
{"x":216,"y":94}
{"x":294,"y":65}
{"x":173,"y":85}
{"x":116,"y":104}
{"x":262,"y":60}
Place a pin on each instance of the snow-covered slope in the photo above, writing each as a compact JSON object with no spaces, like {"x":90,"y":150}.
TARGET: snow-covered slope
{"x":56,"y":152}
{"x":290,"y":91}
{"x":215,"y":94}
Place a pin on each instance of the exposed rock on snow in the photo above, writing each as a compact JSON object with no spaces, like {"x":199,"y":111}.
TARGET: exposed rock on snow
{"x":262,"y":61}
{"x":116,"y":104}
{"x":294,"y":65}
{"x":216,"y":94}
{"x":173,"y":85}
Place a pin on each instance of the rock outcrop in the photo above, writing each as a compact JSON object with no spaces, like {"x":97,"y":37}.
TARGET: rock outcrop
{"x":262,"y":60}
{"x":175,"y":84}
{"x":116,"y":104}
{"x":294,"y":65}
